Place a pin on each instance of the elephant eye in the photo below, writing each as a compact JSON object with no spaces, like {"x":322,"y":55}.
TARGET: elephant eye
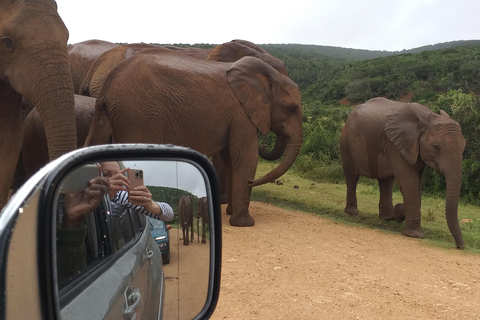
{"x":7,"y":43}
{"x":291,"y":110}
{"x":436,"y":147}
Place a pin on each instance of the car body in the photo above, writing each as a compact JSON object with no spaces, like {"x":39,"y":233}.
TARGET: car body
{"x":160,"y":233}
{"x":120,"y":276}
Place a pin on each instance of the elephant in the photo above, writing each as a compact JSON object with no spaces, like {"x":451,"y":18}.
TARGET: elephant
{"x":226,"y":52}
{"x":387,"y":140}
{"x":203,"y":214}
{"x":82,"y":55}
{"x":185,"y":214}
{"x":34,"y":146}
{"x":236,"y":49}
{"x":34,"y":66}
{"x":212,"y":107}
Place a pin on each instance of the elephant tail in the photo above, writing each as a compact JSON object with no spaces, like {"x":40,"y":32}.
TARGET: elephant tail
{"x":99,"y":109}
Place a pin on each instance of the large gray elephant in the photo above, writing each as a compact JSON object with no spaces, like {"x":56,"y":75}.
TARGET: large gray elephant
{"x":389,"y":141}
{"x":212,"y":107}
{"x":226,"y":52}
{"x":33,"y":65}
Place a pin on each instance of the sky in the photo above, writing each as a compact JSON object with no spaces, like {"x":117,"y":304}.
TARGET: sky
{"x":390,"y":25}
{"x":173,"y":174}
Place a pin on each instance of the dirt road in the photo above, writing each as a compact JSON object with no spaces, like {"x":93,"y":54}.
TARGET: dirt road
{"x":293,"y":265}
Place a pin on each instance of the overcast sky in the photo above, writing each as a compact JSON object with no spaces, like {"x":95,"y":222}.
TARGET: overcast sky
{"x":171,"y":174}
{"x":391,"y":25}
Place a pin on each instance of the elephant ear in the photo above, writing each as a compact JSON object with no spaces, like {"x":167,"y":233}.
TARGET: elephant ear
{"x":250,"y":80}
{"x":443,"y":113}
{"x":403,"y":128}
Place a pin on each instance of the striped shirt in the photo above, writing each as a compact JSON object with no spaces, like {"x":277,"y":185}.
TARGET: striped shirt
{"x":121,"y":198}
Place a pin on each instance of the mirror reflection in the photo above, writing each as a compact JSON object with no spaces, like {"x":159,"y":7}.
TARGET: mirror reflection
{"x":132,"y":241}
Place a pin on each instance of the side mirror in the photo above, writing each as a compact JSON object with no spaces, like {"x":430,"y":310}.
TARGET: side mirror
{"x":118,"y":260}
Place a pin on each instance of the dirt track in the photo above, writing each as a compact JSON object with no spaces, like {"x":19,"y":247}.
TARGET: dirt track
{"x":293,"y":265}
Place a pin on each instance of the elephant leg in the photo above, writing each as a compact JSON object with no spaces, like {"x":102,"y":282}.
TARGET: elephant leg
{"x":399,"y":212}
{"x":11,"y":134}
{"x":20,"y":176}
{"x":410,"y":185}
{"x":351,"y":206}
{"x":192,"y":233}
{"x":244,"y":158}
{"x":227,"y":166}
{"x":219,"y":165}
{"x":385,"y":206}
{"x":185,"y":236}
{"x":204,"y":240}
{"x":351,"y":179}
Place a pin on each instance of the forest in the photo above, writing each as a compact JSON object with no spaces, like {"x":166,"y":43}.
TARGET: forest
{"x":444,"y":77}
{"x":334,"y":80}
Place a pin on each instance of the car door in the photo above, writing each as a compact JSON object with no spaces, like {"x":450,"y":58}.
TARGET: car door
{"x":123,"y":276}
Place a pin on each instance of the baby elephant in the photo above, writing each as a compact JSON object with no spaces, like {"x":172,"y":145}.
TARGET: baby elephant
{"x":388,"y":140}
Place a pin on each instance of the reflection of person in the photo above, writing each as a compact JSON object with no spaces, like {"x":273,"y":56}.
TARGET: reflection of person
{"x":138,"y":199}
{"x":72,"y":231}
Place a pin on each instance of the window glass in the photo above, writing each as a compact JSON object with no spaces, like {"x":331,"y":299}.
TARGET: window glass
{"x":123,"y":231}
{"x":79,"y":243}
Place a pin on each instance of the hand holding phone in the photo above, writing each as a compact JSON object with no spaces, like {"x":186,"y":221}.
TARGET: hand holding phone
{"x":135,"y":178}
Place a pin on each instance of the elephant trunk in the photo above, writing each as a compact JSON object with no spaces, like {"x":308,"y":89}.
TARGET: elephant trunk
{"x":276,"y":152}
{"x":453,"y":182}
{"x":51,"y":92}
{"x":294,"y":145}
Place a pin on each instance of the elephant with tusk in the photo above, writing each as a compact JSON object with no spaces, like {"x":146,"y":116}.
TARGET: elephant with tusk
{"x":388,"y":141}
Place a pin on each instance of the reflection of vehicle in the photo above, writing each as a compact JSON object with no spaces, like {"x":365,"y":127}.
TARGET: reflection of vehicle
{"x":159,"y":231}
{"x":117,"y":264}
{"x":117,"y":242}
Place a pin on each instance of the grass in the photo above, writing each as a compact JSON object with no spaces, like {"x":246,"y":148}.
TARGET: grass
{"x":328,"y":201}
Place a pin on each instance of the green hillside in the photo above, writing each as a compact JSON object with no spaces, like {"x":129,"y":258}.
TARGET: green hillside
{"x":333,"y":80}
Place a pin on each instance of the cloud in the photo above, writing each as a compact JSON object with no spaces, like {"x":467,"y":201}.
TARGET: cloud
{"x":369,"y":24}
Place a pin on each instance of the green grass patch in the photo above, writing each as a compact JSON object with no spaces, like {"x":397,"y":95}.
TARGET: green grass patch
{"x":328,"y":200}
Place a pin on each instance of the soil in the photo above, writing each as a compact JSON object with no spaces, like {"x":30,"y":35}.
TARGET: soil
{"x":186,"y":276}
{"x":294,"y":265}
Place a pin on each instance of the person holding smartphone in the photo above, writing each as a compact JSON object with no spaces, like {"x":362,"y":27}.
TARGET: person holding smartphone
{"x":138,"y":198}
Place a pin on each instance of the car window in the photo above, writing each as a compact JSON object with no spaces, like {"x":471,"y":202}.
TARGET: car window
{"x":81,"y":246}
{"x":122,"y":227}
{"x":155,"y":224}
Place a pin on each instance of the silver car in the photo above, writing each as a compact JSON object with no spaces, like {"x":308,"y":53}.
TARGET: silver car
{"x":108,"y":266}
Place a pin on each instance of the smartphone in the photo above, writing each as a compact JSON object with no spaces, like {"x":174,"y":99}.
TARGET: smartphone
{"x":135,"y":177}
{"x":78,"y":179}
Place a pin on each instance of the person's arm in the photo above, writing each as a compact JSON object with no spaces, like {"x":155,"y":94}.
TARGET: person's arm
{"x":141,"y":201}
